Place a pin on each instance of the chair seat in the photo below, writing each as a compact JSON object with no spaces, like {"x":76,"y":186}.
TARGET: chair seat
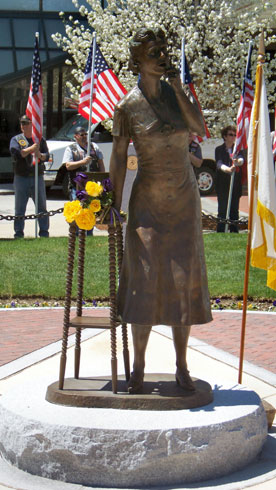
{"x":91,"y":322}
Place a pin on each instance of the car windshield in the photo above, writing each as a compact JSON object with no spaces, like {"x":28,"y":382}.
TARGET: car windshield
{"x":66,"y":133}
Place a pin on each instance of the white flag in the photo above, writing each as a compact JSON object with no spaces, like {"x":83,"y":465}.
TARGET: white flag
{"x":263,"y":244}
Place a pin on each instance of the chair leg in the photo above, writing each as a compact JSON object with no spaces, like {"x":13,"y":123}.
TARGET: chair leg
{"x":67,"y":307}
{"x":125,"y":351}
{"x":119,"y":243}
{"x":79,"y":300}
{"x":113,"y":309}
{"x":77,"y":352}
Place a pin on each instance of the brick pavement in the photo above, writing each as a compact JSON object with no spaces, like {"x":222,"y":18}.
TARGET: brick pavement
{"x":24,"y":331}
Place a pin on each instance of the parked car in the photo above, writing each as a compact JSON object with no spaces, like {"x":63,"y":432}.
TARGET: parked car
{"x":55,"y":172}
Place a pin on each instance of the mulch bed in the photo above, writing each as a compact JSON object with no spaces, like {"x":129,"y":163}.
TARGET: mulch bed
{"x":217,"y":303}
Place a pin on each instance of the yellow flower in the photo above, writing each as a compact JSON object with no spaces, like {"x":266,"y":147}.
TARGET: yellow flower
{"x":95,"y":205}
{"x":239,"y":305}
{"x":85,"y":219}
{"x":71,"y":210}
{"x":94,"y":189}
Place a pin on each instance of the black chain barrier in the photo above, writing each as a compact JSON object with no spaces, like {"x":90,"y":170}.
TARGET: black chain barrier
{"x":31,"y":216}
{"x":241,"y":222}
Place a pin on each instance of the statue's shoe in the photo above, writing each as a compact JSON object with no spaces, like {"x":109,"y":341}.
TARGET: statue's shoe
{"x":184,"y":380}
{"x":135,"y":384}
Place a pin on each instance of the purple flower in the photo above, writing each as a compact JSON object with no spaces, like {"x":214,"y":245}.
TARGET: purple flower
{"x":83,"y":302}
{"x":13,"y":304}
{"x":81,"y":179}
{"x":107,"y":185}
{"x":81,"y":195}
{"x":274,"y":302}
{"x":217,"y":301}
{"x":94,"y":302}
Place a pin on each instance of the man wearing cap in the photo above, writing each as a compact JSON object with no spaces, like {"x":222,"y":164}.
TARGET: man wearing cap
{"x":22,"y":149}
{"x":75,"y":159}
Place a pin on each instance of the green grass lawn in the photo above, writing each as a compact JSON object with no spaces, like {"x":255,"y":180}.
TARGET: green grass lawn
{"x":37,"y":268}
{"x":225,"y":259}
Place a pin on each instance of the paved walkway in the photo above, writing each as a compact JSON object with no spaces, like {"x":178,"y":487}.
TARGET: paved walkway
{"x":24,"y":331}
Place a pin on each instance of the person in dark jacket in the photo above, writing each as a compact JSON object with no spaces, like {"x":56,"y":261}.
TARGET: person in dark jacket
{"x":23,"y":149}
{"x":225,"y":167}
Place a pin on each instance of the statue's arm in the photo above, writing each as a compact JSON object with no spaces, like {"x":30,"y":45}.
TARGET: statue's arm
{"x":118,"y":165}
{"x":190,"y":111}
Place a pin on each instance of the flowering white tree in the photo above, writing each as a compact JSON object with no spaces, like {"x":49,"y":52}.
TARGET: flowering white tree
{"x":217,"y":33}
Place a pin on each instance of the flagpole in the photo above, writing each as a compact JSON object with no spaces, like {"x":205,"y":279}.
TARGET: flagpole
{"x":235,"y":146}
{"x":229,"y":199}
{"x":36,"y":175}
{"x":183,"y":60}
{"x":91,"y":95}
{"x":274,"y":144}
{"x":255,"y":115}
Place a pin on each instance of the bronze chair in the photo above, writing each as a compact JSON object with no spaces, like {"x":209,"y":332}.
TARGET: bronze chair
{"x":79,"y":322}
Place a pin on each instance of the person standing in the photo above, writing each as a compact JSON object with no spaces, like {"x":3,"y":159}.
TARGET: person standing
{"x":76,"y":160}
{"x":23,"y":149}
{"x":225,"y":167}
{"x":195,"y":153}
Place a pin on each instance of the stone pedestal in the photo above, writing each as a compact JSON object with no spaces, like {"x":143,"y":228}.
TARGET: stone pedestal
{"x":131,"y":448}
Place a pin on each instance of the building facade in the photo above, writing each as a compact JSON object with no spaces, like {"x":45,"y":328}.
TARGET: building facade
{"x":19,"y":21}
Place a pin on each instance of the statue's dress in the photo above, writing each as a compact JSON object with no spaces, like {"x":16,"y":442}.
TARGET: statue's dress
{"x":163,"y":278}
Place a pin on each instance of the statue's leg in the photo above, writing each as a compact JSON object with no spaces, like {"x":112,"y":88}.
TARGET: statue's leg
{"x":180,"y":339}
{"x":140,"y":335}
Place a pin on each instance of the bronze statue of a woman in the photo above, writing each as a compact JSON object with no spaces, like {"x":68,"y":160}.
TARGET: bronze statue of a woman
{"x":163,"y":278}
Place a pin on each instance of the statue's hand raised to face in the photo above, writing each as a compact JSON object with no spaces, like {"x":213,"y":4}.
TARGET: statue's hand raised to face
{"x":174,"y":77}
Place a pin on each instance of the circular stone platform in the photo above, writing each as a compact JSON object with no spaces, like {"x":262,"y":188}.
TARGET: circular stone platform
{"x":160,"y":392}
{"x":131,"y":448}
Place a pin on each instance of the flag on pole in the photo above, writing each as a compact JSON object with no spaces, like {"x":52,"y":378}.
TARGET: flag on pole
{"x":189,"y":81}
{"x":245,"y":108}
{"x":35,"y":101}
{"x":107,"y":92}
{"x":274,"y":138}
{"x":263,"y":244}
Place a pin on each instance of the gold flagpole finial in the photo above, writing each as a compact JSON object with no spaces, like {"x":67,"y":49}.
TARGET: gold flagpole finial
{"x":261,"y":54}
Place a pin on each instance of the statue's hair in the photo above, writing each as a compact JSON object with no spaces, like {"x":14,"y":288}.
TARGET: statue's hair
{"x":225,"y":130}
{"x":137,"y":43}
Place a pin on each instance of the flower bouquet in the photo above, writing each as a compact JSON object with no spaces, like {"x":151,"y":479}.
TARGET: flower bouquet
{"x":93,"y":204}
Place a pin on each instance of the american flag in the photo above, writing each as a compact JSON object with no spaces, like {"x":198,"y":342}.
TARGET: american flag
{"x":107,"y":91}
{"x":189,"y":81}
{"x":244,"y":112}
{"x":35,"y":101}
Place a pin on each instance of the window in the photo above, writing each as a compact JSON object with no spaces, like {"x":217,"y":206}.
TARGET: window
{"x":24,"y":32}
{"x":19,"y":5}
{"x":6,"y":64}
{"x":5,"y":33}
